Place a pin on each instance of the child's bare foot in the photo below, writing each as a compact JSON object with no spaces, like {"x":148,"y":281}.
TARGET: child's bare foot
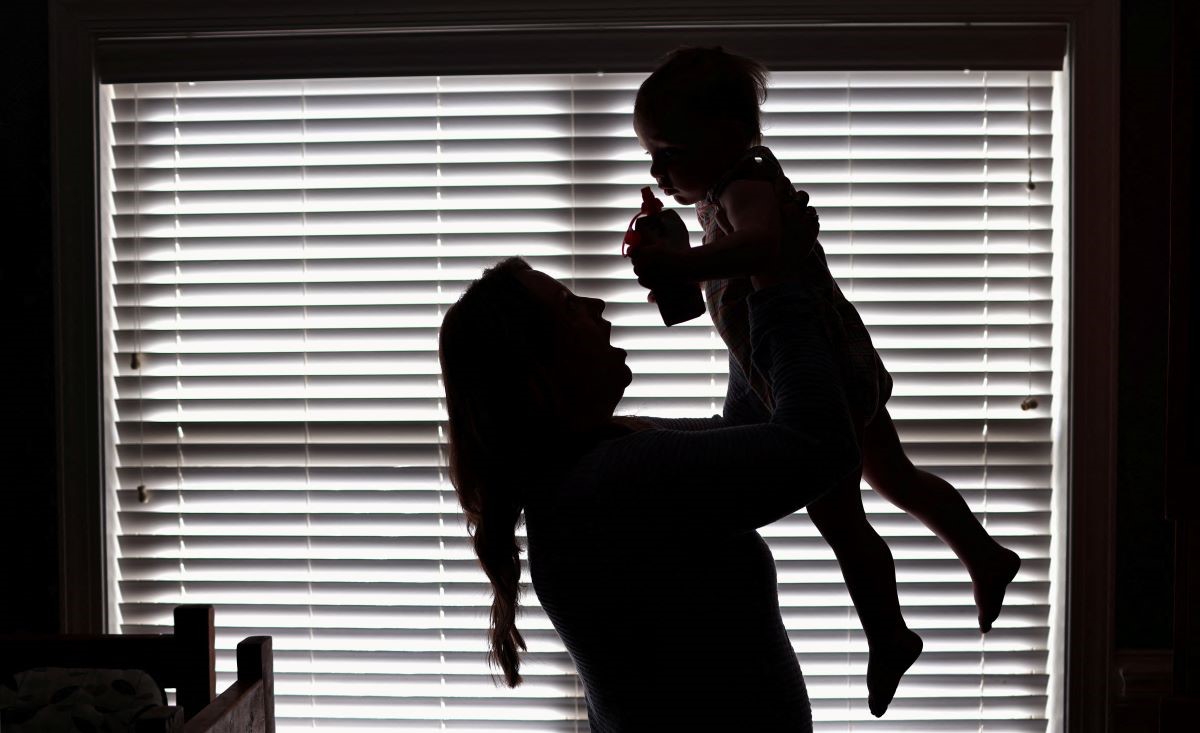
{"x":989,"y":584}
{"x":886,"y":665}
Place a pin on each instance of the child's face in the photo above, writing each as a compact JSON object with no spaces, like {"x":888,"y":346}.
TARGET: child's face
{"x":686,"y":170}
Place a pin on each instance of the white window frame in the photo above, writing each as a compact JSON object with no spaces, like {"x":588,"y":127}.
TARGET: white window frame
{"x":93,"y":38}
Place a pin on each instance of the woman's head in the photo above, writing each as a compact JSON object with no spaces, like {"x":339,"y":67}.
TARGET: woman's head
{"x":696,"y":114}
{"x":519,"y":340}
{"x":528,"y":373}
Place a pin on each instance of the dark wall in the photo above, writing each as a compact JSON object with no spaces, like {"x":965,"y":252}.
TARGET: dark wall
{"x":28,"y":519}
{"x":1144,"y":537}
{"x":28,"y":524}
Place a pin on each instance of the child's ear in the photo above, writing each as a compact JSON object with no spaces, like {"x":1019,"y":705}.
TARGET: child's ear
{"x":737,"y":131}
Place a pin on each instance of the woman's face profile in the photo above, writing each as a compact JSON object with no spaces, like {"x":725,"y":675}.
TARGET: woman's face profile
{"x":590,"y":373}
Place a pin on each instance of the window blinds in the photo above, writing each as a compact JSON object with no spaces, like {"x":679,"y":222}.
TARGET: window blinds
{"x":278,"y":258}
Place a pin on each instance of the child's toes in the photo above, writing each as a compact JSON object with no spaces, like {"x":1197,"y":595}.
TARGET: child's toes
{"x":886,"y":666}
{"x":990,"y":587}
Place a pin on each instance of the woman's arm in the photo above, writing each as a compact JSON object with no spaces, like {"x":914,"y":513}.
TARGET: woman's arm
{"x":736,"y":479}
{"x":742,"y":407}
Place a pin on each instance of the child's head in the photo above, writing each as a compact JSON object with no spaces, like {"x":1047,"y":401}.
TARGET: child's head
{"x":702,"y":102}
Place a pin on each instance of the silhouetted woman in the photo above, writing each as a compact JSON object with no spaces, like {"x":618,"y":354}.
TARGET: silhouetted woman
{"x":642,"y":532}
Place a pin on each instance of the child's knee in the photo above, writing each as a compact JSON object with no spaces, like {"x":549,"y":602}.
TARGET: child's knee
{"x":840,"y":512}
{"x":889,"y":476}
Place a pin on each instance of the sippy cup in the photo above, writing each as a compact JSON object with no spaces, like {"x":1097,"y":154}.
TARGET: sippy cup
{"x":677,"y":302}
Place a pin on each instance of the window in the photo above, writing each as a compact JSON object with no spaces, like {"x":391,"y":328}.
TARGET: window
{"x":278,"y":254}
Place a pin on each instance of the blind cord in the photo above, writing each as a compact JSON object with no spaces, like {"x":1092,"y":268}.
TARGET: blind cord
{"x":850,"y":613}
{"x":986,"y":360}
{"x":179,"y":457}
{"x":136,"y":360}
{"x":312,"y":662}
{"x":574,"y":284}
{"x":442,"y":455}
{"x":850,"y":175}
{"x":1030,"y":402}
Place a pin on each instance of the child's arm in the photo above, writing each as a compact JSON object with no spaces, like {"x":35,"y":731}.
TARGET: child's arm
{"x":752,"y":247}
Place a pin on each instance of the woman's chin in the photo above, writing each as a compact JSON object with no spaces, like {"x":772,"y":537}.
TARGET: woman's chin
{"x":625,"y":378}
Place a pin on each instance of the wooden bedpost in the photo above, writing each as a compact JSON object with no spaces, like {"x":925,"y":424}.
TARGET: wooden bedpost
{"x":195,"y":644}
{"x":255,"y":662}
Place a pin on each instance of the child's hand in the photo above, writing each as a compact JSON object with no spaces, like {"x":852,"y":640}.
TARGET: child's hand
{"x":661,"y":252}
{"x":656,"y":263}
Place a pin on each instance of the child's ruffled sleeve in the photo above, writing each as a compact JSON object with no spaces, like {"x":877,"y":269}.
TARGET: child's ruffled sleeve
{"x":758,"y":164}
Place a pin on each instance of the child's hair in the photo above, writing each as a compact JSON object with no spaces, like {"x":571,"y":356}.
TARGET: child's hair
{"x":703,"y":84}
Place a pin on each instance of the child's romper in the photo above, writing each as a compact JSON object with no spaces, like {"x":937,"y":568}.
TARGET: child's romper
{"x":868,"y":384}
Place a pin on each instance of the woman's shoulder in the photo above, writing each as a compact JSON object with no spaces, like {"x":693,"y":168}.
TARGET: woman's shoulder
{"x":573,"y":504}
{"x":579,"y":476}
{"x":631,"y":443}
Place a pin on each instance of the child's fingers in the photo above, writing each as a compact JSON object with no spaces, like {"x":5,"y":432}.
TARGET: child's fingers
{"x":647,"y":263}
{"x":649,"y":238}
{"x":644,"y":271}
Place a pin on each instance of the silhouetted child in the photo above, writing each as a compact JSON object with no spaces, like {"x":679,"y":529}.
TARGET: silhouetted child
{"x":697,"y":116}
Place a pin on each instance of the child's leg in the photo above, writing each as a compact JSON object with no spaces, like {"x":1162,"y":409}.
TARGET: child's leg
{"x":870,"y":575}
{"x":940,"y":507}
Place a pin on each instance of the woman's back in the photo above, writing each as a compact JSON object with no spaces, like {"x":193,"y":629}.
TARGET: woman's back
{"x":674,"y":626}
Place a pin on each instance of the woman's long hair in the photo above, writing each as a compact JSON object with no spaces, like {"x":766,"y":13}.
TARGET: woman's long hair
{"x":494,"y":346}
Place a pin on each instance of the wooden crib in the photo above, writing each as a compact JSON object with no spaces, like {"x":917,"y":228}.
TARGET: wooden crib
{"x":183,"y":660}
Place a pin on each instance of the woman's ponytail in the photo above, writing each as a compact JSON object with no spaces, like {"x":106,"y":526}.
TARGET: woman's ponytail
{"x":495,"y":542}
{"x":493,"y":344}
